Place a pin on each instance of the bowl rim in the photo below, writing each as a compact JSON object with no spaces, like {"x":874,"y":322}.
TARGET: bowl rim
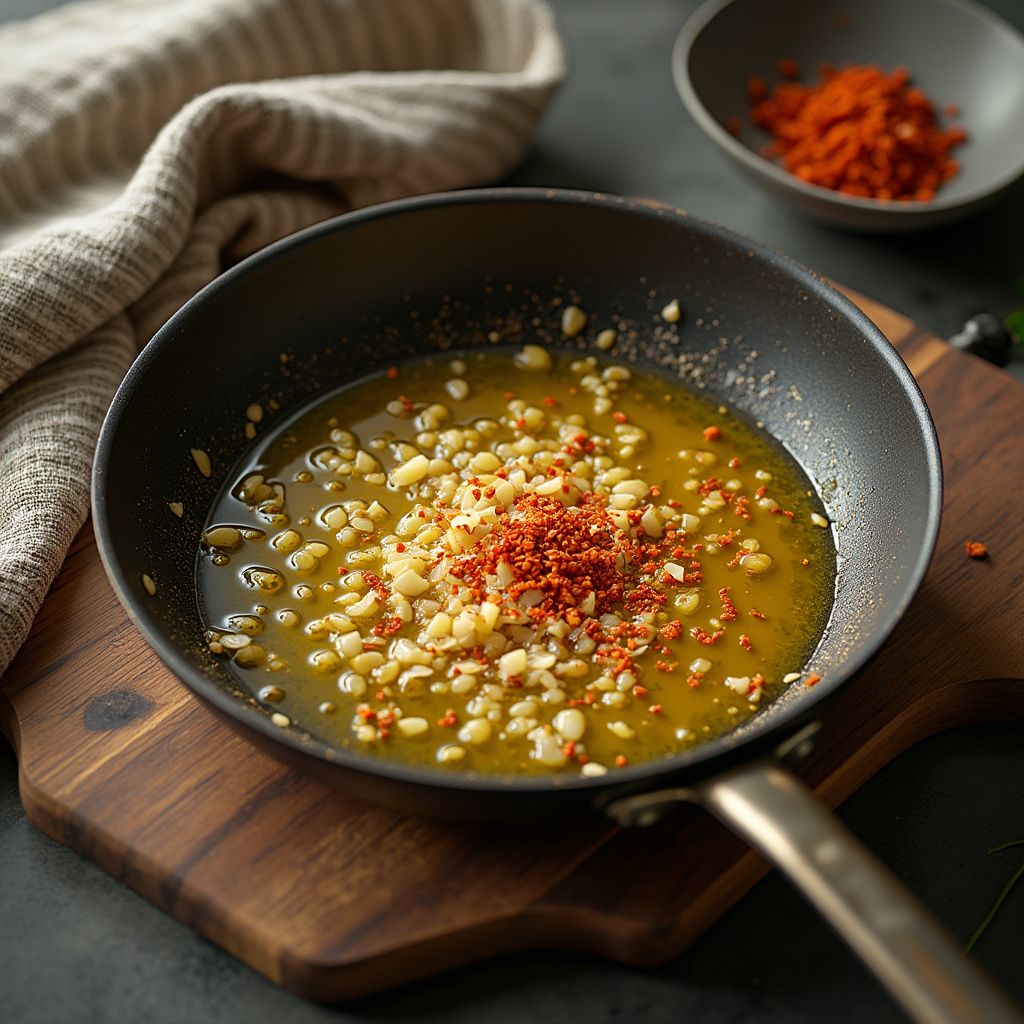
{"x":696,"y":760}
{"x":912,"y":208}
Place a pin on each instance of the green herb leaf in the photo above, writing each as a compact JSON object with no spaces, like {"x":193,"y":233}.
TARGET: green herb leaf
{"x":1015,"y":325}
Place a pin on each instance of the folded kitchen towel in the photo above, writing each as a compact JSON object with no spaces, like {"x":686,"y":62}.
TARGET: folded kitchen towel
{"x":146,"y":146}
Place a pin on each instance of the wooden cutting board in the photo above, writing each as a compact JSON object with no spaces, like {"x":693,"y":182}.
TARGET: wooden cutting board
{"x":333,"y":898}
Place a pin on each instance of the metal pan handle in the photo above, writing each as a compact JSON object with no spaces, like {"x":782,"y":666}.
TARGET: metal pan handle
{"x":893,"y":934}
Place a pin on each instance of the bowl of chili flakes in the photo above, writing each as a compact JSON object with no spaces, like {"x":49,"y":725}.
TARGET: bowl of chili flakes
{"x":871,"y":116}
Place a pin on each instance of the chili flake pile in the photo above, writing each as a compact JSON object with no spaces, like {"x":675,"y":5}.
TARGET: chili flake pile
{"x":572,"y":575}
{"x":858,"y":130}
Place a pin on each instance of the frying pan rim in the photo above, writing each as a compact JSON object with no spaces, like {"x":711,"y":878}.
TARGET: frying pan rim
{"x":698,"y":761}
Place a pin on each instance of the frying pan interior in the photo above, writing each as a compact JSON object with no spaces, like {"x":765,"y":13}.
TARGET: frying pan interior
{"x":373,"y":288}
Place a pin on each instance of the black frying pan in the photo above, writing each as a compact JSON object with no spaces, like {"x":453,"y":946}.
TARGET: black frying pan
{"x":761,"y":333}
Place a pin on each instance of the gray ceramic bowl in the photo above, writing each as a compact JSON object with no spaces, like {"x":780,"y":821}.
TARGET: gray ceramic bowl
{"x":957,"y":51}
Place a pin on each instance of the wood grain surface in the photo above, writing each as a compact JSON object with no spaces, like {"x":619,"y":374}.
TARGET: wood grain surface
{"x":333,"y":898}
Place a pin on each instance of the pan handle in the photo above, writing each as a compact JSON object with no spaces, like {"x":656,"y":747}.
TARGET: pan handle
{"x":893,"y":934}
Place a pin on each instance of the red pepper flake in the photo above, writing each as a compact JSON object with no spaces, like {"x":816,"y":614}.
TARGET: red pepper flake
{"x":702,"y":636}
{"x":387,"y":627}
{"x":582,"y":758}
{"x":620,"y":417}
{"x":656,"y":709}
{"x":693,"y":679}
{"x":728,"y":613}
{"x":509,"y":395}
{"x":640,"y":691}
{"x":755,"y":614}
{"x":376,"y":584}
{"x":380,"y":696}
{"x":672,"y":630}
{"x":712,"y":433}
{"x":548,"y":400}
{"x":399,"y":547}
{"x":745,"y":642}
{"x":805,"y":562}
{"x":392,"y":372}
{"x":366,"y":713}
{"x":621,"y":760}
{"x":666,"y":666}
{"x":644,"y":598}
{"x":407,"y":403}
{"x":569,"y":748}
{"x":755,"y":684}
{"x":449,"y":720}
{"x":812,"y":680}
{"x":734,"y":462}
{"x":975,"y":549}
{"x":714,"y":484}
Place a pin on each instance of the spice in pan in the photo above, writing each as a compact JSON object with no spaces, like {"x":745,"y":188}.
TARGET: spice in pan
{"x":858,"y":130}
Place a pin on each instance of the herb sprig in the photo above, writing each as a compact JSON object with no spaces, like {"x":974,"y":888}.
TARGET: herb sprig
{"x":1006,"y":890}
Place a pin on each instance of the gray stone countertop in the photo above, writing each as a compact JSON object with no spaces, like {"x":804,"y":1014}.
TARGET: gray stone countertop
{"x":77,"y":947}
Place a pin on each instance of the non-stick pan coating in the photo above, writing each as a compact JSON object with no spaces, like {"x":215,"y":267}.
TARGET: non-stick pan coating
{"x":372,"y":288}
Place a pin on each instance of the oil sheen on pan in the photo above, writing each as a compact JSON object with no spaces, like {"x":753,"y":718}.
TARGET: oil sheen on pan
{"x":516,"y":562}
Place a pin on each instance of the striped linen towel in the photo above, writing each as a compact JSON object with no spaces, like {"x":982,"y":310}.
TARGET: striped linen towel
{"x":146,"y":146}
